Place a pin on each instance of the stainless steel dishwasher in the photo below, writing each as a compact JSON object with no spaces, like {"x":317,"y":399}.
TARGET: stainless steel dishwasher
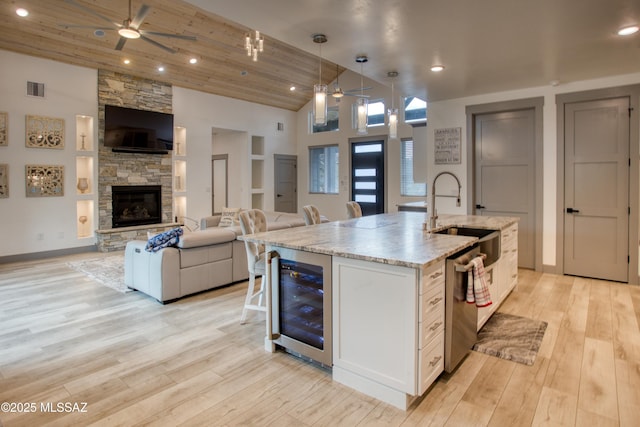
{"x":461,"y":318}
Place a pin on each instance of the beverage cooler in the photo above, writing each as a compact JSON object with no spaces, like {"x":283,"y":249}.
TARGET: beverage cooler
{"x":301,"y":303}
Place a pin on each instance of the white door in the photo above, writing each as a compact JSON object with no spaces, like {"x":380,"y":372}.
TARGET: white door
{"x":219,"y":198}
{"x":596,"y":205}
{"x":505,"y":173}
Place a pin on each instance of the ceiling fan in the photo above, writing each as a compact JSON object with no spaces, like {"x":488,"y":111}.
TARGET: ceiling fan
{"x":339,"y":93}
{"x":130,"y":27}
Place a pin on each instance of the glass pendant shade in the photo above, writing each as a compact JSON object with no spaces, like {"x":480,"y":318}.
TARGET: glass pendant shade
{"x":362,"y":106}
{"x":320,"y":104}
{"x":393,"y":123}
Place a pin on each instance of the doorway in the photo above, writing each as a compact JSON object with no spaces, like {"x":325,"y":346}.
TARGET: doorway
{"x":367,"y":176}
{"x":219,"y":182}
{"x":506,"y":140}
{"x":598,"y":184}
{"x":285,"y":183}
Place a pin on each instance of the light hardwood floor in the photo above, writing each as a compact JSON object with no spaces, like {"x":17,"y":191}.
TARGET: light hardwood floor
{"x":66,"y":338}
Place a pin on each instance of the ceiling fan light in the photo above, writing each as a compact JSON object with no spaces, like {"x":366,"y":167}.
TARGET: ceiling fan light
{"x":338,"y":93}
{"x":362,"y":115}
{"x":22,"y":12}
{"x":320,"y":104}
{"x":437,"y":68}
{"x":627,"y":31}
{"x":129,"y":33}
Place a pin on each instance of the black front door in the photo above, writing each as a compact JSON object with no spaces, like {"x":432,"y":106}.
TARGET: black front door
{"x":367,"y":176}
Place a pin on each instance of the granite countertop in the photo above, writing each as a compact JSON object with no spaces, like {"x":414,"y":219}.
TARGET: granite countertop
{"x":393,"y":238}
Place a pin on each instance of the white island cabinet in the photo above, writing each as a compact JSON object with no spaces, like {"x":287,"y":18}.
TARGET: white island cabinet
{"x":388,"y":328}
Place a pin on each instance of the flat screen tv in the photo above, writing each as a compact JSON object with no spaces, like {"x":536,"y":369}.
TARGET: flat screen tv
{"x":137,"y":131}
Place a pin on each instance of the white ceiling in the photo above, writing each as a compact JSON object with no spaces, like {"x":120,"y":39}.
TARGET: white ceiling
{"x":485,"y":45}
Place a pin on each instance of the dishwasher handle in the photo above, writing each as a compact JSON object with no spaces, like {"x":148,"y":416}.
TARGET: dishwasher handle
{"x":465,"y":268}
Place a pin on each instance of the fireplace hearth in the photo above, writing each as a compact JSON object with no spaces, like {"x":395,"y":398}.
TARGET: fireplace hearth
{"x":136,"y":205}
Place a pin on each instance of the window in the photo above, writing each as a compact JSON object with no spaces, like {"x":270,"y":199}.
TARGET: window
{"x":407,"y":186}
{"x":332,"y":121}
{"x":375,"y":114}
{"x":323,"y":169}
{"x":415,"y":110}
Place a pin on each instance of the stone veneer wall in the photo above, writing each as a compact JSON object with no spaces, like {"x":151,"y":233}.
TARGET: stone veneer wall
{"x":130,"y":168}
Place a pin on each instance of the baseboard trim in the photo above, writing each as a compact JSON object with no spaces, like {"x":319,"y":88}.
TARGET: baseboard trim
{"x":47,"y":254}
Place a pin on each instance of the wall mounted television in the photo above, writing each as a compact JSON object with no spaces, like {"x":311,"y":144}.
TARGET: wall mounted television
{"x":130,"y":130}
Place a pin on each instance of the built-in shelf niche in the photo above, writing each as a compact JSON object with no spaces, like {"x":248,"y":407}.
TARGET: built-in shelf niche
{"x":179,"y":208}
{"x":84,"y":133}
{"x":84,"y":218}
{"x":84,"y":175}
{"x":257,"y":172}
{"x":179,"y":175}
{"x":180,"y":141}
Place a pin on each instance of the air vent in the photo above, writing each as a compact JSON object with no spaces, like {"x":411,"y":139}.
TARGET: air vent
{"x":35,"y":89}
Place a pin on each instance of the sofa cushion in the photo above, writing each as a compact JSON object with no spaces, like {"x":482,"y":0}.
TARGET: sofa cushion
{"x":210,"y":236}
{"x":205,"y":254}
{"x":229,"y":217}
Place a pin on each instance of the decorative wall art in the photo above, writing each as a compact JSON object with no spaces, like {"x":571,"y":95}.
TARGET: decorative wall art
{"x":45,"y":132}
{"x":44,"y":180}
{"x":4,"y":129}
{"x":4,"y":181}
{"x":447,"y":146}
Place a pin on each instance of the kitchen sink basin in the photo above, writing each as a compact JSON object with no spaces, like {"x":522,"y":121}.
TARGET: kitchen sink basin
{"x":488,"y":240}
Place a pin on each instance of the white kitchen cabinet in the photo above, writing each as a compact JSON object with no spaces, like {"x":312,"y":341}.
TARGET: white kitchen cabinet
{"x":388,"y":328}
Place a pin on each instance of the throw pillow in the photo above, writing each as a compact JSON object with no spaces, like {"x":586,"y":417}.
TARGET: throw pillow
{"x":229,"y":217}
{"x":163,"y":240}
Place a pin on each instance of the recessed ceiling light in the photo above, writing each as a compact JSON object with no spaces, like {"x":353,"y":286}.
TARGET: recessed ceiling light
{"x":22,"y":12}
{"x":627,"y":31}
{"x":292,"y":88}
{"x":98,"y":33}
{"x":437,"y":68}
{"x":161,"y":68}
{"x":126,"y":61}
{"x":193,"y":61}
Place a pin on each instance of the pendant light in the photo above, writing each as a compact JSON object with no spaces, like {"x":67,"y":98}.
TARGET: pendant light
{"x":254,"y":44}
{"x":362,"y":105}
{"x":320,"y":90}
{"x":393,"y":112}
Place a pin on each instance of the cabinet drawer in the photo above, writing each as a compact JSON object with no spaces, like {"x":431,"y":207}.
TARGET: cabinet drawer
{"x":432,"y":277}
{"x":432,"y":325}
{"x":432,"y":301}
{"x":431,"y":362}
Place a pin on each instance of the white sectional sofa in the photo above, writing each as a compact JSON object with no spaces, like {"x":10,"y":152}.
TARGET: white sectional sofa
{"x":202,"y":260}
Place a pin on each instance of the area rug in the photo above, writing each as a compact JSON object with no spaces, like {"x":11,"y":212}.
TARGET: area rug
{"x":511,"y":337}
{"x":108,"y":270}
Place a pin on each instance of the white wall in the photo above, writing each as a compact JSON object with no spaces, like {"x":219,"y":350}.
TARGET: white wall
{"x":69,"y":91}
{"x":200,"y":113}
{"x":333,"y":206}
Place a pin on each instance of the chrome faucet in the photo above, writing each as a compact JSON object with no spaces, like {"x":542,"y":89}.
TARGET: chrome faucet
{"x":434,"y":213}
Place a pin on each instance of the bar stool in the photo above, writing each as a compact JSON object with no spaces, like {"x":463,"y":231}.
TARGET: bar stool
{"x":354,"y":210}
{"x":254,"y":221}
{"x":311,"y":215}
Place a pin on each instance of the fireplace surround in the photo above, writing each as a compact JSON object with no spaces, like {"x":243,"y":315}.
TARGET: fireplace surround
{"x":136,"y":205}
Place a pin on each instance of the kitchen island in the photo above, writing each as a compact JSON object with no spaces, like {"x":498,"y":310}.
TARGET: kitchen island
{"x":386,"y":295}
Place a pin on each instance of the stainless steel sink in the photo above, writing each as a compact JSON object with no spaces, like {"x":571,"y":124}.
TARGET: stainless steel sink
{"x":488,"y":240}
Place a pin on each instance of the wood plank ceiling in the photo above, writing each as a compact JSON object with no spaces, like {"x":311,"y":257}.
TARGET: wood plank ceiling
{"x":223,"y":68}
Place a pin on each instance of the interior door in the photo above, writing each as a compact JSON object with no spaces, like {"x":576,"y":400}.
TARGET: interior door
{"x":367,"y":176}
{"x":286,"y":183}
{"x":505,"y":173}
{"x":596,"y":219}
{"x":219,"y":177}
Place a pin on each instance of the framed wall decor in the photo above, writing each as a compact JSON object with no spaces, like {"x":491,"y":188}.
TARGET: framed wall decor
{"x":44,"y":180}
{"x":44,"y":132}
{"x":447,"y":146}
{"x":4,"y":129}
{"x":4,"y":181}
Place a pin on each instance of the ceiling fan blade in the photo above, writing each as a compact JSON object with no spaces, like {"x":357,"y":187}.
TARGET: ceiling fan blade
{"x":142,"y":13}
{"x":121,"y":43}
{"x":357,"y":95}
{"x":358,"y":89}
{"x":175,"y":36}
{"x":155,"y":43}
{"x":92,"y":12}
{"x":93,"y":27}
